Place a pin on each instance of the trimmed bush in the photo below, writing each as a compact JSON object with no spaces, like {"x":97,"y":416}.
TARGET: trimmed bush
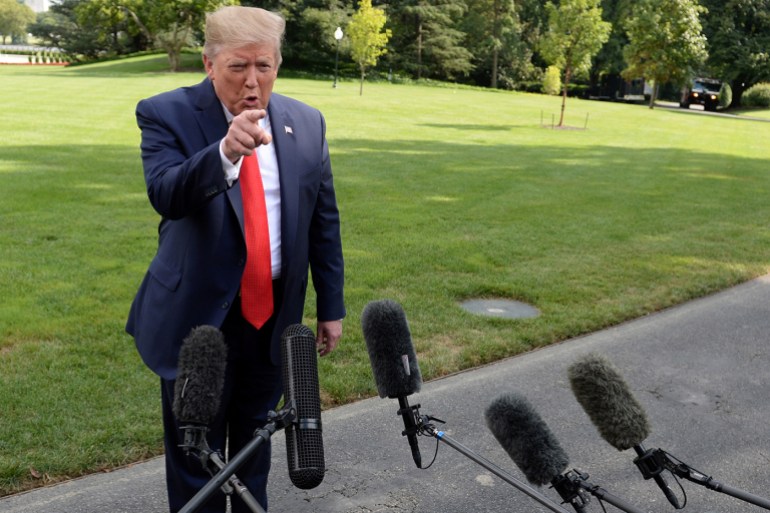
{"x":757,"y":95}
{"x":725,"y":95}
{"x":552,"y":81}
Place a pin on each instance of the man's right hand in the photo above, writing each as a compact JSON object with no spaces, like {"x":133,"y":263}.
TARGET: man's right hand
{"x":245,"y":134}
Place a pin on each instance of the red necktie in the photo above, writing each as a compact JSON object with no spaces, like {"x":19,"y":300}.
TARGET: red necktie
{"x":257,"y":281}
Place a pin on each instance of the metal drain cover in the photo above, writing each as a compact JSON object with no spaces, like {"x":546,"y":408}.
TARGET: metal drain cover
{"x":506,"y":308}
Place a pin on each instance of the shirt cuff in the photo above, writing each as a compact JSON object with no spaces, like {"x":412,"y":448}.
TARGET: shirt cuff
{"x":232,"y":171}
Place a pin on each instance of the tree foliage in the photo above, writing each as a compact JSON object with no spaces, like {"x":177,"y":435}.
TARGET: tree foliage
{"x":90,"y":29}
{"x":498,"y":43}
{"x":665,"y":42}
{"x":431,"y":44}
{"x":492,"y":27}
{"x":172,"y":24}
{"x":738,"y":34}
{"x":14,"y":19}
{"x":368,"y":37}
{"x":576,"y":32}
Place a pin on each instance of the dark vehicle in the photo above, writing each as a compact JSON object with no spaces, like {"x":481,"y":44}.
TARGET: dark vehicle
{"x":702,"y":91}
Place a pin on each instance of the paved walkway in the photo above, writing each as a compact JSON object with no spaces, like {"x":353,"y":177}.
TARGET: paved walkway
{"x":701,"y":370}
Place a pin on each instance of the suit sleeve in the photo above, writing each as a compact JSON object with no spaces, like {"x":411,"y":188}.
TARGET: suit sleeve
{"x":326,"y":261}
{"x":181,"y":174}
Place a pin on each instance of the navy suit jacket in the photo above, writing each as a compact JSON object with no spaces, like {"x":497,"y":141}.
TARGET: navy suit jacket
{"x":195,"y":276}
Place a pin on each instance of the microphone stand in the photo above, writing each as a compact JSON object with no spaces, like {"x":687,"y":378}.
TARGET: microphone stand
{"x":424,"y":426}
{"x":681,"y":469}
{"x":223,"y":475}
{"x":573,"y":485}
{"x":195,"y":443}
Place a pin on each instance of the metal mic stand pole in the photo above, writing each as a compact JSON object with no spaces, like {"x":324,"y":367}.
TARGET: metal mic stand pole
{"x":571,"y":484}
{"x":195,"y":443}
{"x":685,"y":471}
{"x":426,"y":427}
{"x":275,"y":422}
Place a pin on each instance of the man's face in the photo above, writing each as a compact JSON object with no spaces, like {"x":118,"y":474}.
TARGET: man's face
{"x":243,"y":77}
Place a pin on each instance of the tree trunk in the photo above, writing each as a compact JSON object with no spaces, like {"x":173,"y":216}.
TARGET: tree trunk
{"x":419,"y":51}
{"x":567,"y":73}
{"x":173,"y":59}
{"x":654,"y":95}
{"x":495,"y":41}
{"x":494,"y":68}
{"x":738,"y":89}
{"x":361,"y":88}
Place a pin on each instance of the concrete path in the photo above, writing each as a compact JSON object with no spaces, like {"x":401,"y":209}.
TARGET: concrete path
{"x":701,"y":371}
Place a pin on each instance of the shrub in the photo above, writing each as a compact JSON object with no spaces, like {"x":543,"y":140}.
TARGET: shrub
{"x":725,"y":95}
{"x":757,"y":95}
{"x":552,"y":80}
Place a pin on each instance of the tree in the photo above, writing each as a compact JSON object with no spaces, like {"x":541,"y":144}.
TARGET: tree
{"x":604,"y":76}
{"x":368,"y":37}
{"x":665,"y":42}
{"x":70,"y":25}
{"x":492,"y":24}
{"x":14,"y":19}
{"x":576,"y":32}
{"x":426,"y":39}
{"x":738,"y":38}
{"x":309,"y":40}
{"x":172,"y":24}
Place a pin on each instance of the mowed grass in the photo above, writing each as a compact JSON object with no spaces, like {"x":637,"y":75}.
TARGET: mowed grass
{"x":446,"y":193}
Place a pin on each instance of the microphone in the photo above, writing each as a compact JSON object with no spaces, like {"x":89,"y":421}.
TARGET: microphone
{"x":197,"y":397}
{"x":200,"y":377}
{"x":526,"y":438}
{"x":304,"y":441}
{"x":394,"y":362}
{"x":613,"y":409}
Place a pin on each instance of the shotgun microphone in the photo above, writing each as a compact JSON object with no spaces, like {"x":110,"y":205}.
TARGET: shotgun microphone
{"x":394,"y":362}
{"x":304,"y":437}
{"x":197,"y":397}
{"x":613,"y":409}
{"x":200,"y":377}
{"x":526,"y":438}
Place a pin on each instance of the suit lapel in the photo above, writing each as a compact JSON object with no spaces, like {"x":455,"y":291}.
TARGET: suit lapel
{"x":213,"y":124}
{"x":286,"y":150}
{"x":209,"y":114}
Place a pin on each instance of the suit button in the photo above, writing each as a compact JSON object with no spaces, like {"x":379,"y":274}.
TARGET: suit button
{"x":241,"y":262}
{"x":225,"y":305}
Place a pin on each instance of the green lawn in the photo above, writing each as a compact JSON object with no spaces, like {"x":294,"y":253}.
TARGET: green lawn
{"x":446,"y":193}
{"x":753,"y":113}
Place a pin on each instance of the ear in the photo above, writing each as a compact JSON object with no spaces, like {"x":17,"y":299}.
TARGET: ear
{"x":208,"y":64}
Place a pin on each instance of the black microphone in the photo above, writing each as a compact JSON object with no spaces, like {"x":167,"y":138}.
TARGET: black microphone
{"x":532,"y":446}
{"x":394,"y":362}
{"x":304,"y":437}
{"x":200,"y":377}
{"x":526,"y":438}
{"x":197,"y":397}
{"x":613,"y":409}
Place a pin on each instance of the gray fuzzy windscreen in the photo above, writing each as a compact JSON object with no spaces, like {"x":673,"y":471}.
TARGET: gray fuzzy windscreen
{"x":201,"y":376}
{"x":389,"y":344}
{"x":608,"y":401}
{"x":526,"y":438}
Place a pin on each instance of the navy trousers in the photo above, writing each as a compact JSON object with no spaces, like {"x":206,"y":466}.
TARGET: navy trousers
{"x":253,"y":386}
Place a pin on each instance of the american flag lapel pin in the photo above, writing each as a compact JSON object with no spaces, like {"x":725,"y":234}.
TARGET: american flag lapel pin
{"x":288,"y":129}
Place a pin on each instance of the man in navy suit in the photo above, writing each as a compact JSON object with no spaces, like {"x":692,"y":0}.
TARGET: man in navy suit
{"x":194,"y":141}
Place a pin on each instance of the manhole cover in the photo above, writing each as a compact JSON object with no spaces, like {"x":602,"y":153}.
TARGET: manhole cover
{"x":500,"y":308}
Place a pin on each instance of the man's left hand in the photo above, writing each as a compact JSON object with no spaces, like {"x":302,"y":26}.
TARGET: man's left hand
{"x":328,"y":334}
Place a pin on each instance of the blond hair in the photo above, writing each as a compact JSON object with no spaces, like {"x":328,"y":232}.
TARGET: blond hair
{"x":235,"y":26}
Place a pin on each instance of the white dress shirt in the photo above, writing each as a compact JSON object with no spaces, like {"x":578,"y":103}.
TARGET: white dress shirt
{"x":268,"y":168}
